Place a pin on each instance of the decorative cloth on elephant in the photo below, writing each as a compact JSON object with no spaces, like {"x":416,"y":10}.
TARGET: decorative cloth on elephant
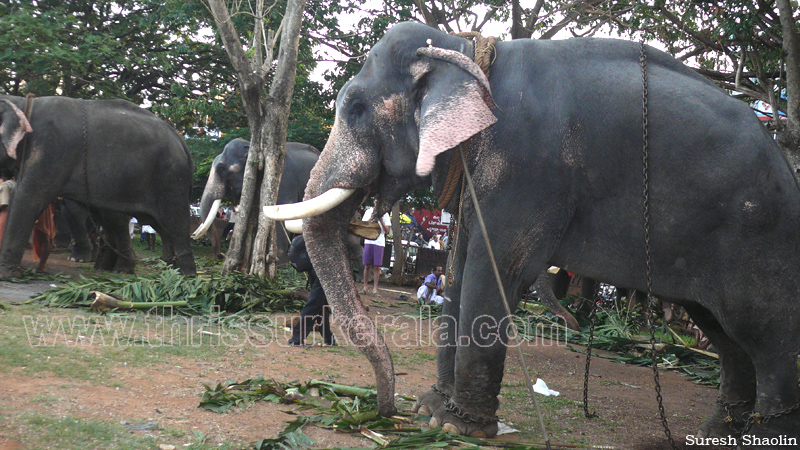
{"x":429,"y":294}
{"x":316,"y":311}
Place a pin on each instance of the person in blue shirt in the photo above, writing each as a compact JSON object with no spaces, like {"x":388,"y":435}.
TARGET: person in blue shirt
{"x":432,"y":288}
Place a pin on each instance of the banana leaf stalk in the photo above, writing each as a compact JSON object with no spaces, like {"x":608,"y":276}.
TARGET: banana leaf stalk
{"x":104,"y":303}
{"x":341,"y":389}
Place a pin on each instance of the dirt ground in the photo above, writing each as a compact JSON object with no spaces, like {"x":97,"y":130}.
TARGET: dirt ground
{"x":166,"y":391}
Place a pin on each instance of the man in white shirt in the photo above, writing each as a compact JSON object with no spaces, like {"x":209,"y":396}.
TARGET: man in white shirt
{"x":373,"y":251}
{"x":432,"y":288}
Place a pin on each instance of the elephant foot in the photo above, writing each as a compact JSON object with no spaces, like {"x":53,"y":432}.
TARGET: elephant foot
{"x":725,"y":420}
{"x":185,"y":264}
{"x":125,"y":265}
{"x":81,"y":256}
{"x":10,"y":272}
{"x":455,"y":420}
{"x":431,"y":401}
{"x":81,"y":252}
{"x":773,"y":433}
{"x":106,"y":259}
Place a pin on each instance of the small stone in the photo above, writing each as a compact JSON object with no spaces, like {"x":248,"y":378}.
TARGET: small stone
{"x":166,"y":447}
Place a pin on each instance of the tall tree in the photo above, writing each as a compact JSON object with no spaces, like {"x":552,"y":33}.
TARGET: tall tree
{"x":253,"y":247}
{"x":750,"y":48}
{"x":150,"y":52}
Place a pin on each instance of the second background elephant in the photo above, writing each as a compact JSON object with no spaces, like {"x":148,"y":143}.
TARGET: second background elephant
{"x":227,"y":174}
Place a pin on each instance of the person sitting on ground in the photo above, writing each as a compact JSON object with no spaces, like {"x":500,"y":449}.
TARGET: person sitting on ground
{"x":316,"y":311}
{"x":432,"y":287}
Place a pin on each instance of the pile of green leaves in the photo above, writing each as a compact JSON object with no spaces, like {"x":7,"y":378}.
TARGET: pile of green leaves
{"x":344,"y":408}
{"x":616,"y":330}
{"x":235,"y":292}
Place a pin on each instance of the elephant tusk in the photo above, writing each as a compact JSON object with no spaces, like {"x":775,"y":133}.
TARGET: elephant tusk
{"x":212,"y":214}
{"x":294,"y":226}
{"x":309,"y":208}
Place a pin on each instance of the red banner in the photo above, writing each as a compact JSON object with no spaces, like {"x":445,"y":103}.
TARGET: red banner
{"x":430,"y":222}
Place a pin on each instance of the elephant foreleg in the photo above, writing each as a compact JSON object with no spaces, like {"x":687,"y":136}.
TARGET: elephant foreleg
{"x":432,"y":402}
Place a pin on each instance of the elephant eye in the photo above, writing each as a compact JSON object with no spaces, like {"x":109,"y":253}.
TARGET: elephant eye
{"x":357,"y":110}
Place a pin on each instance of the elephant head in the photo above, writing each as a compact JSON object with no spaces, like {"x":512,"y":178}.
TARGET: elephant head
{"x":227,"y":171}
{"x":13,"y":127}
{"x":416,"y":97}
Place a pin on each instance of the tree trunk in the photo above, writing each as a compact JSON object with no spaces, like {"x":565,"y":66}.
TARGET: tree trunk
{"x":399,"y":255}
{"x":253,"y":247}
{"x":789,"y":138}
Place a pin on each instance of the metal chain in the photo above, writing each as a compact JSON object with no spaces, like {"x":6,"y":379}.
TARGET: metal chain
{"x":456,"y":410}
{"x":729,"y":418}
{"x":88,"y":201}
{"x":436,"y":389}
{"x":757,"y":418}
{"x":648,"y":257}
{"x":86,"y":156}
{"x":592,"y":321}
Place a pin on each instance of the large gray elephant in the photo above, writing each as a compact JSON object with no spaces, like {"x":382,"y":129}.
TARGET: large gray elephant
{"x":227,"y":173}
{"x":557,"y":155}
{"x":108,"y":154}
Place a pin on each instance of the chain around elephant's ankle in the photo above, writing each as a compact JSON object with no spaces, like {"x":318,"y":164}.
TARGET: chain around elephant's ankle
{"x":760,"y":419}
{"x":436,"y":389}
{"x":456,"y":411}
{"x":730,"y":419}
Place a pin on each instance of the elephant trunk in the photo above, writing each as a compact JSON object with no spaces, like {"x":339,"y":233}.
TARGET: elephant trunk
{"x":210,"y":202}
{"x":326,"y":236}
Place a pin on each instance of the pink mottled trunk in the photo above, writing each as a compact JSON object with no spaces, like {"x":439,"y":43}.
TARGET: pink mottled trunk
{"x":325,"y":239}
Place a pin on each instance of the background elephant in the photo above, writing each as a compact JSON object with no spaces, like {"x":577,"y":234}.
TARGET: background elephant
{"x":227,"y":174}
{"x":554,"y":141}
{"x":108,"y":154}
{"x":74,"y":216}
{"x":99,"y":236}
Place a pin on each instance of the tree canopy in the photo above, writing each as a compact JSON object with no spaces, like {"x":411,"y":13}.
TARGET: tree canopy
{"x":166,"y":54}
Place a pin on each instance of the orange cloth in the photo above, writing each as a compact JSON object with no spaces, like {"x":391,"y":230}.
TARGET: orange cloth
{"x":47,"y":226}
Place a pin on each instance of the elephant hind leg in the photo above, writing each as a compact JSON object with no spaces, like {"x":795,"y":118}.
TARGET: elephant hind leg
{"x":117,"y":254}
{"x":737,"y":391}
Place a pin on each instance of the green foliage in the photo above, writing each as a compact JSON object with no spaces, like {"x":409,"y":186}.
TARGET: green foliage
{"x":616,"y":331}
{"x":291,"y":438}
{"x":716,"y":36}
{"x":145,"y":51}
{"x":229,"y":395}
{"x":232,"y":293}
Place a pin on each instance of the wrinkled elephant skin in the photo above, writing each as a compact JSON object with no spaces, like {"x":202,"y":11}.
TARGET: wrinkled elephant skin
{"x":108,"y":154}
{"x":557,"y":163}
{"x":227,"y":174}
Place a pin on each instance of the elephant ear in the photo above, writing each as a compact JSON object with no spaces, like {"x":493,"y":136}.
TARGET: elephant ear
{"x":13,"y":126}
{"x":456,"y":103}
